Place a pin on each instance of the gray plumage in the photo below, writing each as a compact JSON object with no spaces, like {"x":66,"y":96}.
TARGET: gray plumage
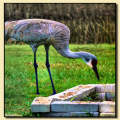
{"x":36,"y":32}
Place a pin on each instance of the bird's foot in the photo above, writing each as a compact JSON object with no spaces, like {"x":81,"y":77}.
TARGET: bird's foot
{"x":54,"y":92}
{"x":37,"y":93}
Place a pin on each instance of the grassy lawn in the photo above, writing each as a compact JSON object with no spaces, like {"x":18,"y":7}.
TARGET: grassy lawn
{"x":20,"y":85}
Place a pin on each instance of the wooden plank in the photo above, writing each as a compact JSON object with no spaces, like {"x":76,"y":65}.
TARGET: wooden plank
{"x":107,"y":107}
{"x":41,"y":104}
{"x":76,"y":106}
{"x":75,"y":93}
{"x":70,"y":114}
{"x":107,"y":114}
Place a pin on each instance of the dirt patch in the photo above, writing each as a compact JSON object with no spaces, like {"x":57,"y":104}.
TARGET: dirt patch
{"x":82,"y":87}
{"x":42,"y":100}
{"x":67,"y":94}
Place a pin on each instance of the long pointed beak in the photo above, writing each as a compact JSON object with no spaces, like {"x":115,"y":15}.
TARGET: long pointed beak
{"x":96,"y":72}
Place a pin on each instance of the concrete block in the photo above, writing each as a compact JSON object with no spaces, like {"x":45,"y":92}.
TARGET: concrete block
{"x":106,"y":96}
{"x":75,"y":106}
{"x":70,"y":114}
{"x":75,"y":93}
{"x":84,"y":114}
{"x":107,"y":114}
{"x":41,"y":104}
{"x":110,"y":96}
{"x":107,"y":107}
{"x":102,"y":88}
{"x":101,"y":96}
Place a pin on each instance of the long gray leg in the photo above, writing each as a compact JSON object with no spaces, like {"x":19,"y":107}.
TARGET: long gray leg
{"x":48,"y":67}
{"x":35,"y":66}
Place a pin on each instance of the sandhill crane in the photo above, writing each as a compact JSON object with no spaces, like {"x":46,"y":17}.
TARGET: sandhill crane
{"x":36,"y":32}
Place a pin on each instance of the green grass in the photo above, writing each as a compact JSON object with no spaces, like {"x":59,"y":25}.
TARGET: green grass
{"x":20,"y":86}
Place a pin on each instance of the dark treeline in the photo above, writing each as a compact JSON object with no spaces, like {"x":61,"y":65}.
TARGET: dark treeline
{"x":88,"y":23}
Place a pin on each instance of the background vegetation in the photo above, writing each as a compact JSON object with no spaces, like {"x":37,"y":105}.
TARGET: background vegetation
{"x":88,"y":23}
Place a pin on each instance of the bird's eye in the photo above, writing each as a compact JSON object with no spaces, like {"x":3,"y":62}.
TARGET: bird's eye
{"x":87,"y":59}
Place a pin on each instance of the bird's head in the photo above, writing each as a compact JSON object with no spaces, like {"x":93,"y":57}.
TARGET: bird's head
{"x":92,"y":62}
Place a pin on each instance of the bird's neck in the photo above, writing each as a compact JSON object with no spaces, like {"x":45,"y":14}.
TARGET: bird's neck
{"x":80,"y":54}
{"x":68,"y":53}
